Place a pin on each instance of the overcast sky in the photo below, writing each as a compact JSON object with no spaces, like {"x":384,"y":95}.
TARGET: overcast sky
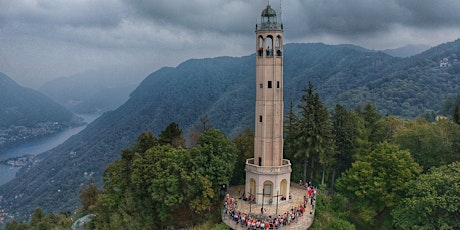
{"x":45,"y":39}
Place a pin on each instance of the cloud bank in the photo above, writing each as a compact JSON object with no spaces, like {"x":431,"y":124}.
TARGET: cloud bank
{"x":44,"y":39}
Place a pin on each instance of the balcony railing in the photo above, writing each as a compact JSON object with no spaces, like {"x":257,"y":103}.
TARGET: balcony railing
{"x":269,"y":26}
{"x":284,"y":168}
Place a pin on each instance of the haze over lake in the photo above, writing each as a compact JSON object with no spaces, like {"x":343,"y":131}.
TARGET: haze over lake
{"x":35,"y":147}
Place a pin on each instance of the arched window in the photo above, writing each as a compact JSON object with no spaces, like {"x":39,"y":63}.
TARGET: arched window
{"x":269,"y":43}
{"x":278,"y":45}
{"x":260,"y":46}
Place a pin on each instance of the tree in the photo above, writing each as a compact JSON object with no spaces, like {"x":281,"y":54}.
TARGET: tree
{"x":456,"y":114}
{"x":159,"y":181}
{"x":145,"y":141}
{"x":244,"y":142}
{"x":431,"y":144}
{"x":14,"y":225}
{"x":375,"y":183}
{"x":212,"y":165}
{"x":151,"y":189}
{"x":199,"y":128}
{"x":291,"y":133}
{"x":36,"y":219}
{"x":114,"y":203}
{"x":348,"y":129}
{"x":314,"y":141}
{"x":40,"y":221}
{"x":373,"y":125}
{"x":215,"y":157}
{"x":450,"y":105}
{"x":172,"y":135}
{"x":88,"y":197}
{"x":432,"y":200}
{"x":331,"y":212}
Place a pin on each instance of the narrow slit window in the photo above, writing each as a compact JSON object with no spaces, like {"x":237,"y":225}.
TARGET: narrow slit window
{"x":269,"y":84}
{"x":260,"y":118}
{"x":261,"y":85}
{"x":278,"y":84}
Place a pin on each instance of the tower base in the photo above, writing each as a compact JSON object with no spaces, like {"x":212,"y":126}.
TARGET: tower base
{"x":265,"y":184}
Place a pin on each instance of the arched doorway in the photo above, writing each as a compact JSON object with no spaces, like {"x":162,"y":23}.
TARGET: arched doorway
{"x":268,"y":191}
{"x":252,"y":186}
{"x":283,"y":188}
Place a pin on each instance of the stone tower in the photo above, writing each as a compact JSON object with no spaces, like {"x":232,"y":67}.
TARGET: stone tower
{"x":268,"y":174}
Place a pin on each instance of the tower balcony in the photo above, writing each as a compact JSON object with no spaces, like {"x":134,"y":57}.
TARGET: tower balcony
{"x":269,"y":26}
{"x":284,"y":168}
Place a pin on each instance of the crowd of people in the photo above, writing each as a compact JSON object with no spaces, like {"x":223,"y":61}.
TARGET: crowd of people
{"x":263,"y":220}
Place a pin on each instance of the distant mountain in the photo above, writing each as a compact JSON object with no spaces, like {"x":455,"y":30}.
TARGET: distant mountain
{"x":407,"y":50}
{"x":224,"y":89}
{"x":92,"y":91}
{"x":26,"y":113}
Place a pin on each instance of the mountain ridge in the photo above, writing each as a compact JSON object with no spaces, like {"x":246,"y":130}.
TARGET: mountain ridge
{"x":93,"y":91}
{"x":223,"y":88}
{"x":26,"y":114}
{"x":407,"y":50}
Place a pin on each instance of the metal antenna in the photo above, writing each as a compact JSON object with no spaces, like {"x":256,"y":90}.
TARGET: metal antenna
{"x":281,"y":12}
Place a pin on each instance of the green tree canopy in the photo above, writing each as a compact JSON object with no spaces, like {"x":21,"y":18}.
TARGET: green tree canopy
{"x":431,"y":144}
{"x":375,"y":183}
{"x":88,"y":197}
{"x":432,"y":200}
{"x":331,"y":212}
{"x":373,"y":127}
{"x":160,"y":178}
{"x":172,"y":135}
{"x":150,"y":189}
{"x":245,"y":145}
{"x":291,"y":132}
{"x":348,"y":131}
{"x":313,"y":140}
{"x":14,"y":225}
{"x":456,"y":114}
{"x":215,"y":157}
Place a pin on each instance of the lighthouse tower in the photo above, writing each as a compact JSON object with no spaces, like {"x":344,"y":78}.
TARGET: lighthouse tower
{"x":268,"y":174}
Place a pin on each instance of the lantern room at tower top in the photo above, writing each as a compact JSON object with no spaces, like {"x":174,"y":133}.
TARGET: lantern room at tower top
{"x":269,"y":20}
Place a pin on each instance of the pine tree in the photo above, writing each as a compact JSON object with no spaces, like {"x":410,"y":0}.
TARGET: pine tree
{"x":456,"y":115}
{"x":88,"y":197}
{"x":291,"y":133}
{"x":245,"y":144}
{"x":314,"y":140}
{"x":347,"y":130}
{"x":172,"y":135}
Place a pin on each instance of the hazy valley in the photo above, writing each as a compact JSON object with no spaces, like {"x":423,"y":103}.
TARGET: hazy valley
{"x":223,"y":89}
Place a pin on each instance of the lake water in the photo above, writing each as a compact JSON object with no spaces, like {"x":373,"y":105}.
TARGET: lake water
{"x":35,"y":147}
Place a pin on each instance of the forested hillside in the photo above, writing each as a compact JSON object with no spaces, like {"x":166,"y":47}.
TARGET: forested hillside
{"x":26,"y":113}
{"x":224,"y":89}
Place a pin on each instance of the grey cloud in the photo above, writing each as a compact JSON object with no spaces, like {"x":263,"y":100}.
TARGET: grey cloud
{"x":353,"y":18}
{"x":52,"y":38}
{"x":201,"y":15}
{"x":84,"y":13}
{"x":350,"y":17}
{"x":427,"y":14}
